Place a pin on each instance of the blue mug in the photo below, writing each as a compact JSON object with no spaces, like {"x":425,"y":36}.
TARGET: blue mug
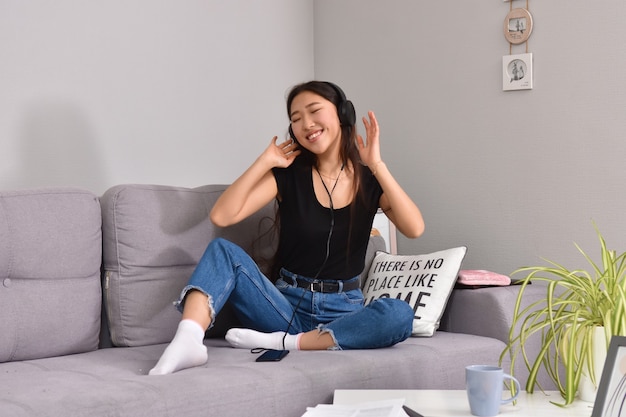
{"x":484,"y":385}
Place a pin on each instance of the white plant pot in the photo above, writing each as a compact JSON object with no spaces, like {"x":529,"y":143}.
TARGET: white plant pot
{"x":586,"y":388}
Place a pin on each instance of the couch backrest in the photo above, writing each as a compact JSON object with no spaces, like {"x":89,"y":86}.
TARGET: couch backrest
{"x":50,"y":256}
{"x":153,"y":236}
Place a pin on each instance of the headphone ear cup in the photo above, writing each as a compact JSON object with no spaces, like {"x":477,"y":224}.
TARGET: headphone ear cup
{"x":345,"y":109}
{"x":347,"y":114}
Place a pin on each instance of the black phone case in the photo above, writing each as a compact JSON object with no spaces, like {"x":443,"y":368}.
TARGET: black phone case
{"x":272,"y":355}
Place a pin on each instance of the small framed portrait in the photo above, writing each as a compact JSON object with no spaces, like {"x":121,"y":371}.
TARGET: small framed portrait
{"x":518,"y":25}
{"x":611,"y":395}
{"x":517,"y":72}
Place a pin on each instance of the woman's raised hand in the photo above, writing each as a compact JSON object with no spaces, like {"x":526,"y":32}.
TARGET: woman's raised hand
{"x":283,"y":154}
{"x":369,"y":151}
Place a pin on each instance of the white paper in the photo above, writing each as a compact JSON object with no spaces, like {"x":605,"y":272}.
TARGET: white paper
{"x":386,"y":408}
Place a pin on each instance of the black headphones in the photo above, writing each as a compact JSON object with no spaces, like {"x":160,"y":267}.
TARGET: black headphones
{"x":345,"y":109}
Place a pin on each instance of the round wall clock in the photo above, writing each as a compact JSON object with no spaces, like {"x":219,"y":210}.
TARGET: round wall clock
{"x":518,"y":25}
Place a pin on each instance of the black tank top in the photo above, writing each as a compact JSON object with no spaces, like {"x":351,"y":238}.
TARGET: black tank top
{"x":305,"y":225}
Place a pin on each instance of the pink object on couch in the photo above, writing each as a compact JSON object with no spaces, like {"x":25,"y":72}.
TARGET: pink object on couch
{"x":482,"y":277}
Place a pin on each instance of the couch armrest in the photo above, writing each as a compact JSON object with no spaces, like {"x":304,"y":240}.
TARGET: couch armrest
{"x":486,"y":311}
{"x":489,"y":312}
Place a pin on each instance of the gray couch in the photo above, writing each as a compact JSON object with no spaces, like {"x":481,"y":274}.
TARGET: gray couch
{"x":86,"y":291}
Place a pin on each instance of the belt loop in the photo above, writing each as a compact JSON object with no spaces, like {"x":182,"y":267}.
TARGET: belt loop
{"x":340,"y":289}
{"x":292,"y":277}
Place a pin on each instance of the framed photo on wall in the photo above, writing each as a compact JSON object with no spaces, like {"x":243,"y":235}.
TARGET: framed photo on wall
{"x":518,"y":25}
{"x":517,"y":72}
{"x":611,"y":395}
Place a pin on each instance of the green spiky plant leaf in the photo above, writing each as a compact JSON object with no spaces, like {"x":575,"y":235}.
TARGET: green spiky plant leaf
{"x":576,"y":302}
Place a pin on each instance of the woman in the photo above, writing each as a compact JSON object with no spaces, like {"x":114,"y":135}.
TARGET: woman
{"x":329,"y":183}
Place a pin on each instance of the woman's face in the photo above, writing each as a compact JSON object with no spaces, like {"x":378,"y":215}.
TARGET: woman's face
{"x":315,"y":123}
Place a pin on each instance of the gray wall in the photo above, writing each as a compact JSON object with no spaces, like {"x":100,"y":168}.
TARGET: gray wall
{"x":96,"y":93}
{"x":514,"y":176}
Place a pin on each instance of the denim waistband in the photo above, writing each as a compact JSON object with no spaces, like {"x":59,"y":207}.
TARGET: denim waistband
{"x":293,"y":277}
{"x":320,"y":285}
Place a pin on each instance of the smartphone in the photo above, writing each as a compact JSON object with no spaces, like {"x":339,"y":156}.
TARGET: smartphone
{"x":410,"y":412}
{"x":272,"y":355}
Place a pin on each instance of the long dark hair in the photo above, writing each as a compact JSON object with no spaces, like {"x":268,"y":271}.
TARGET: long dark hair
{"x":348,"y":149}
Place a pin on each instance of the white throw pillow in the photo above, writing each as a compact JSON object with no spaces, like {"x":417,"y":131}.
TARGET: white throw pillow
{"x":423,"y":281}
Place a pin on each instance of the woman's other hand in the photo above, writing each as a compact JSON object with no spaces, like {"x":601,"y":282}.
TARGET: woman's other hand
{"x":370,"y":149}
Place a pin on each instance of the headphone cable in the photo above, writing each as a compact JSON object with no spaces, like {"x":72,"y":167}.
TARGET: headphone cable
{"x":330,"y":234}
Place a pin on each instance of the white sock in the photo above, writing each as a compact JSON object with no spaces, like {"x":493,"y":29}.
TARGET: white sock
{"x":185,"y":351}
{"x":251,"y":339}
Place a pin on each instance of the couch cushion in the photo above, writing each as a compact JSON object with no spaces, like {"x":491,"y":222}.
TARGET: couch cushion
{"x":113,"y":381}
{"x":50,"y":255}
{"x":153,"y":236}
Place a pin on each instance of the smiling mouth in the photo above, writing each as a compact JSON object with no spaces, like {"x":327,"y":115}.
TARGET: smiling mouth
{"x":314,"y":135}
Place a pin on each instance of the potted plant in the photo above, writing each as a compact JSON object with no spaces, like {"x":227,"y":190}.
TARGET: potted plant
{"x":575,"y":304}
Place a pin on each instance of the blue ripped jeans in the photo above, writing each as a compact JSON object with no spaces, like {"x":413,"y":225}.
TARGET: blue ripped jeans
{"x":226,"y":273}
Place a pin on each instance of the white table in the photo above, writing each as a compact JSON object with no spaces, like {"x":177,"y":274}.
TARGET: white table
{"x":447,"y":403}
